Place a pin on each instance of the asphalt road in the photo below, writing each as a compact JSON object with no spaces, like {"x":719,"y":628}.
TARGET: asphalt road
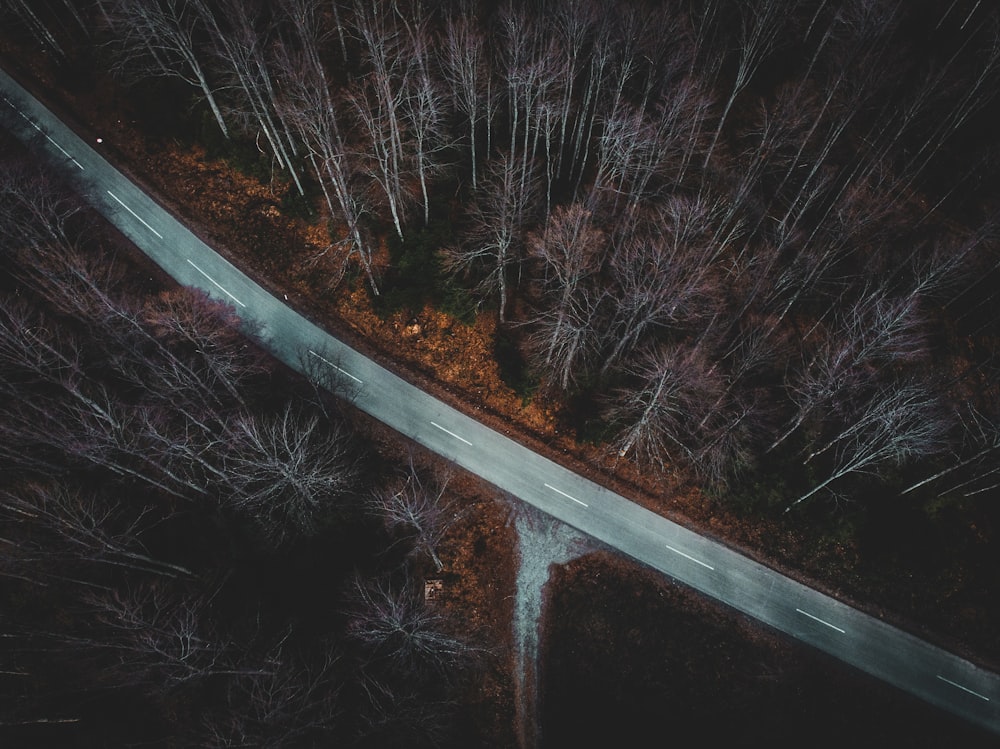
{"x":871,"y":645}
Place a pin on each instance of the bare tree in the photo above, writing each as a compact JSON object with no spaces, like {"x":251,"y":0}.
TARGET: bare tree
{"x":921,"y":114}
{"x":377,"y":101}
{"x":981,"y":432}
{"x":761,"y":23}
{"x":827,"y":376}
{"x":42,"y":20}
{"x":402,"y":715}
{"x":656,"y":416}
{"x":309,"y":104}
{"x":289,"y":701}
{"x":641,"y":146}
{"x":397,"y":628}
{"x":183,"y":351}
{"x":491,"y":247}
{"x":22,"y":11}
{"x":187,"y":353}
{"x":156,"y":638}
{"x":51,"y":435}
{"x":82,"y":527}
{"x":576,"y":26}
{"x":37,"y":210}
{"x":615,"y":65}
{"x":239,"y":38}
{"x":626,"y":140}
{"x":849,"y":66}
{"x":564,"y":337}
{"x":424,"y":113}
{"x":416,"y":507}
{"x":31,"y":350}
{"x":569,"y":339}
{"x":894,"y":425}
{"x":663,"y":276}
{"x":878,"y":329}
{"x":96,"y":432}
{"x":162,"y":38}
{"x":209,"y":339}
{"x":463,"y":61}
{"x":289,"y":471}
{"x":729,"y":433}
{"x":530,"y":68}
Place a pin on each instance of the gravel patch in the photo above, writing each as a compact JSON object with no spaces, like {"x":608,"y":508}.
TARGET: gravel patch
{"x":541,"y":543}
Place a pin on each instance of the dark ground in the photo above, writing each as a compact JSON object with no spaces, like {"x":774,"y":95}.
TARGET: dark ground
{"x":633,"y":660}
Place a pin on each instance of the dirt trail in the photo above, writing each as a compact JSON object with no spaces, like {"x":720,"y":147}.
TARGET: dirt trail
{"x":541,"y":542}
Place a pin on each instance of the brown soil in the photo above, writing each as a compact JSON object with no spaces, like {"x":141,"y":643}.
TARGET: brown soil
{"x":477,"y":591}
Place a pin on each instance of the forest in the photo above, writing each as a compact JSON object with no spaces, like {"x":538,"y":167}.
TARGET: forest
{"x":187,"y":529}
{"x":756,"y":241}
{"x":752,"y":243}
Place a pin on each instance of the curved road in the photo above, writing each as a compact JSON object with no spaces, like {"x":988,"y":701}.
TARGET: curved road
{"x":883,"y":651}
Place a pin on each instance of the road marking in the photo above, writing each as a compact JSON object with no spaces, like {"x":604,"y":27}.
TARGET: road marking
{"x":23,"y":115}
{"x":816,"y":618}
{"x":31,"y":122}
{"x":558,"y":491}
{"x":66,"y":153}
{"x":220,"y":286}
{"x":330,"y":363}
{"x":688,"y":556}
{"x":119,"y":200}
{"x":448,"y":431}
{"x":964,"y":689}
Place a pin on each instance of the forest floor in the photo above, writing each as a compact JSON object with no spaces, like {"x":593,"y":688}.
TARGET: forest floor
{"x":241,"y":216}
{"x":477,"y":589}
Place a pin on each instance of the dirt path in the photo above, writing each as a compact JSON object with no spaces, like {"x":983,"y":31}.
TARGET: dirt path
{"x":541,"y":543}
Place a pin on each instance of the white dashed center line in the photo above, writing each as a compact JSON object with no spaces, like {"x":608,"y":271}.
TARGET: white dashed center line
{"x":331,"y":364}
{"x":217,"y":284}
{"x":66,"y":153}
{"x":559,"y":491}
{"x":448,"y":431}
{"x":817,"y":619}
{"x":119,"y":201}
{"x":688,"y":556}
{"x":32,"y":123}
{"x":964,"y":689}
